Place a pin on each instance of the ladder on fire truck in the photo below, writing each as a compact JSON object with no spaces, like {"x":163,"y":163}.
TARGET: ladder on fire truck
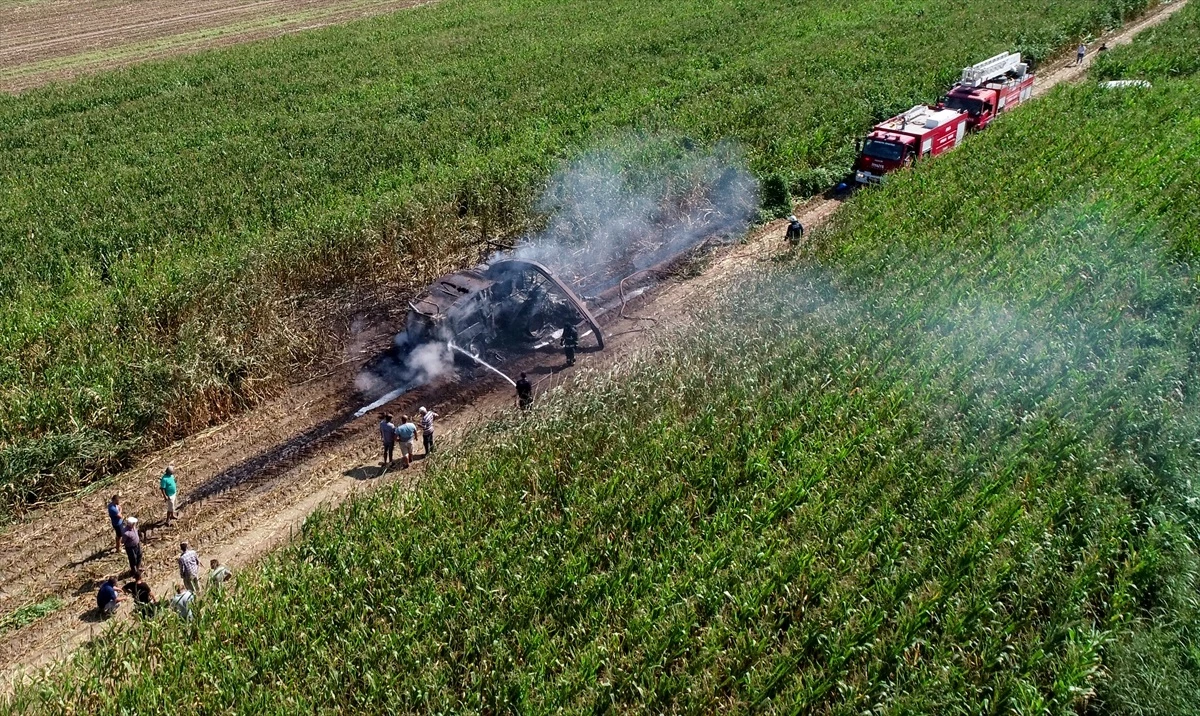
{"x":994,"y":68}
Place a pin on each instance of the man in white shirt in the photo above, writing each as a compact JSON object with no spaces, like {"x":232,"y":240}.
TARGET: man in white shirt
{"x":427,"y":417}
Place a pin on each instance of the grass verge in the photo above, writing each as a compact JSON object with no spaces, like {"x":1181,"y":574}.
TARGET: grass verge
{"x":28,"y":614}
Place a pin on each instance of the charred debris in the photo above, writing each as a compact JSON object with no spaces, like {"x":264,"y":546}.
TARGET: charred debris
{"x":609,"y":237}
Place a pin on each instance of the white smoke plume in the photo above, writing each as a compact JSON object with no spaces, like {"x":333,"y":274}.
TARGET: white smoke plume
{"x":429,"y":361}
{"x":615,"y":211}
{"x":610,"y":213}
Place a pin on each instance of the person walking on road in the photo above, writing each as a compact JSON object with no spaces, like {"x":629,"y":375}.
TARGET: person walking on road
{"x":795,"y":230}
{"x":427,"y":417}
{"x":570,"y":341}
{"x":387,"y":433}
{"x":132,"y":540}
{"x":115,"y":517}
{"x":524,"y":393}
{"x":1079,"y":53}
{"x":169,"y":488}
{"x":107,"y":599}
{"x":406,"y":432}
{"x":189,"y":567}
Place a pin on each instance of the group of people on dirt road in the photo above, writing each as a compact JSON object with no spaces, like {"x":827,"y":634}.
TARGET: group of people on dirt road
{"x":129,"y":536}
{"x":405,"y":433}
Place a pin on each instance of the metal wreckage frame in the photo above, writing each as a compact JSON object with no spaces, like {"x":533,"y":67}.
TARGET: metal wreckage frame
{"x":508,"y":304}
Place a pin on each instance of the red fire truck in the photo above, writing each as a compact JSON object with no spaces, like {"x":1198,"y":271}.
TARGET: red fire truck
{"x":985,"y":90}
{"x":908,"y":138}
{"x":989,"y":88}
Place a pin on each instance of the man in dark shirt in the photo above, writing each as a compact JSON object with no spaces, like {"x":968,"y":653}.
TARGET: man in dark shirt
{"x":143,"y":596}
{"x":795,"y":230}
{"x":114,"y":516}
{"x":524,"y":393}
{"x":107,"y":599}
{"x":570,"y":340}
{"x":387,"y":434}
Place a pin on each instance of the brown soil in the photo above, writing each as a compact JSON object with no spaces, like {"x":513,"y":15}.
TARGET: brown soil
{"x":248,"y":485}
{"x":45,"y":40}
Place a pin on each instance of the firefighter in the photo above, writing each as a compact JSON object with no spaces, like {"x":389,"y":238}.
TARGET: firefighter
{"x":570,"y":340}
{"x":524,"y":393}
{"x":795,"y":230}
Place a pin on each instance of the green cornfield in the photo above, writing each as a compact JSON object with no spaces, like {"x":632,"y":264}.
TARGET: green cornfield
{"x":182,"y":238}
{"x":949,"y":468}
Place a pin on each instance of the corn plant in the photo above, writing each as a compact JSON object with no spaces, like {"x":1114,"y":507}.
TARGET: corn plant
{"x":945,"y":466}
{"x":177,"y":238}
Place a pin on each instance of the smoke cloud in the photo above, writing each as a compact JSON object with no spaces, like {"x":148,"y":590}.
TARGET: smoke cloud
{"x":615,"y":211}
{"x":608,"y":214}
{"x":429,"y":361}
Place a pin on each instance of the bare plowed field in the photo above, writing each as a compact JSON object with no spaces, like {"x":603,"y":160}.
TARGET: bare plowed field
{"x":45,"y":40}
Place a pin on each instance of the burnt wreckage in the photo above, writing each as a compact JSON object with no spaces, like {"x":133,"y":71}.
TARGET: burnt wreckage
{"x":508,"y":305}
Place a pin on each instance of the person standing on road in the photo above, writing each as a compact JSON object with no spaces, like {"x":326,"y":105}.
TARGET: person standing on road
{"x":114,"y":517}
{"x":406,"y":432}
{"x":387,"y":433}
{"x":570,"y":341}
{"x":427,"y":417}
{"x":524,"y":393}
{"x":1079,"y":53}
{"x":795,"y":230}
{"x":133,"y":544}
{"x":168,"y":487}
{"x":107,"y":599}
{"x":189,"y":567}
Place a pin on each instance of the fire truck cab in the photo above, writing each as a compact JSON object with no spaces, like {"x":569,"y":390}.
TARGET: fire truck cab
{"x":906,"y":139}
{"x":989,"y":88}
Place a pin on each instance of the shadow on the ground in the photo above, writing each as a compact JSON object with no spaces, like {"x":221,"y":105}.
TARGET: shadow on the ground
{"x":93,"y":557}
{"x":272,"y":460}
{"x":366,"y":472}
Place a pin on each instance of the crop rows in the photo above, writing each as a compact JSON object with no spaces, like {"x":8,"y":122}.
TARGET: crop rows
{"x":176,"y":239}
{"x":946,"y":470}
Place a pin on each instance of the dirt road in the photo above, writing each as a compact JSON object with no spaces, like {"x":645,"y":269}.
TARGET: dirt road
{"x":45,"y":40}
{"x":248,"y":485}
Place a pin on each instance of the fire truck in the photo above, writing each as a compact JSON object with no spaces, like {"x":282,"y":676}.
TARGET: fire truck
{"x":906,"y":139}
{"x":989,"y":88}
{"x":985,"y":89}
